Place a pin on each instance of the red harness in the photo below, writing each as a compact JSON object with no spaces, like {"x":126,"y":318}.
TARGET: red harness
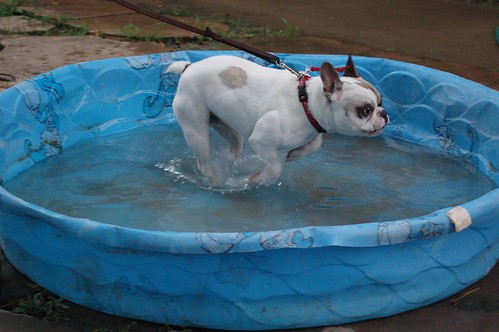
{"x":303,"y":96}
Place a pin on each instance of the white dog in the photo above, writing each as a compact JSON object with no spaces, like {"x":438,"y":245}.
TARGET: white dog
{"x":241,"y":99}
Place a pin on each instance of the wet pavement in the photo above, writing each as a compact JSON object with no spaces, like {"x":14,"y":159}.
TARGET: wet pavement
{"x":454,"y":36}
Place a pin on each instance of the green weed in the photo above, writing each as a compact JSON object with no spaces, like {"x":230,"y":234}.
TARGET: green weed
{"x":63,"y":29}
{"x":289,"y":29}
{"x":239,"y":28}
{"x":42,"y":306}
{"x":9,"y":7}
{"x":130,"y":31}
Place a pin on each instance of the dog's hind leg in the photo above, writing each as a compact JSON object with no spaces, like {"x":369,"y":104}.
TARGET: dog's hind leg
{"x":233,"y":138}
{"x":194,"y":121}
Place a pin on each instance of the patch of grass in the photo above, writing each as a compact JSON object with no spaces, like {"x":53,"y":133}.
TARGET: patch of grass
{"x":9,"y":7}
{"x":60,"y":20}
{"x":240,"y":29}
{"x":289,"y":29}
{"x":42,"y":306}
{"x":132,"y":32}
{"x":237,"y":25}
{"x":63,"y":29}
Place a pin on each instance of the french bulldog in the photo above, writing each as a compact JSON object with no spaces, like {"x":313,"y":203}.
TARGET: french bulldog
{"x":243,"y":100}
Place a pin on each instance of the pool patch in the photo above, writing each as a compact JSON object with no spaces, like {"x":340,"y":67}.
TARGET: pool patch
{"x":460,"y":217}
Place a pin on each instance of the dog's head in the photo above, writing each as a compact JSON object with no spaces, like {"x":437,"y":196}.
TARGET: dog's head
{"x":356,"y":104}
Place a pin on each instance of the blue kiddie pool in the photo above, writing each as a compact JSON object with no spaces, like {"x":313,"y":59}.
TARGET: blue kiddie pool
{"x":301,"y":252}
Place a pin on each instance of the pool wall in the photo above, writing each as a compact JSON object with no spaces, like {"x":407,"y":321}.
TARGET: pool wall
{"x":290,"y":278}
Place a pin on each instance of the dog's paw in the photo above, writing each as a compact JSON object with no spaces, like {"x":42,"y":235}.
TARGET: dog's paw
{"x":253,"y":178}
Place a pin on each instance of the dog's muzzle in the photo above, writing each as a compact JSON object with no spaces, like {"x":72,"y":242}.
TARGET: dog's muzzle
{"x":381,"y":114}
{"x":384,"y":115}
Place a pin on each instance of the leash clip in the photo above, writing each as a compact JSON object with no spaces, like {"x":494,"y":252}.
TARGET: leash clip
{"x":291,"y":70}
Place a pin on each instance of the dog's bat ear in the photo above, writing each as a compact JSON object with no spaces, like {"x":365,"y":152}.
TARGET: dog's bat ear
{"x":333,"y":86}
{"x":350,"y":70}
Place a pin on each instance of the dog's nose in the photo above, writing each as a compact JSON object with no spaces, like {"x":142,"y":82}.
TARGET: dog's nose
{"x":382,"y":113}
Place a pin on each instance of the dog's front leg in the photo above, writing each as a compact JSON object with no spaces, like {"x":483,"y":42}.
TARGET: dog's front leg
{"x":306,"y":149}
{"x":265,"y":142}
{"x":274,"y":163}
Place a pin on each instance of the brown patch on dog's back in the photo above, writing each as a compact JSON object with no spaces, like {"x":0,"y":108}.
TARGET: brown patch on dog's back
{"x":233,"y":77}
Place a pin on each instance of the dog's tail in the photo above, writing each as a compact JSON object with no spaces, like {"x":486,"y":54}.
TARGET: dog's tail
{"x":178,"y":67}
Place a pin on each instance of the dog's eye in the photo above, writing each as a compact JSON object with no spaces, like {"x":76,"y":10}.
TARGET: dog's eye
{"x":365,"y":111}
{"x":368,"y":111}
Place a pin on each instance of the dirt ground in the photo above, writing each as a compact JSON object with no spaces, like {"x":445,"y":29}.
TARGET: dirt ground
{"x":451,"y":35}
{"x":457,"y":36}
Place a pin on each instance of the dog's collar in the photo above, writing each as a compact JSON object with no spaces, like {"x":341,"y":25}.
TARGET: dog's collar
{"x":303,"y":96}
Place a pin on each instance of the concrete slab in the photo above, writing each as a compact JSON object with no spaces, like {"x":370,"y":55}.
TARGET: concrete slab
{"x":22,"y":24}
{"x":10,"y":322}
{"x":74,"y":9}
{"x":27,"y":56}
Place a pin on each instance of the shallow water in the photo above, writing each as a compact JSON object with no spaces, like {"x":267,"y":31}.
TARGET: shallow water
{"x":147,"y":179}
